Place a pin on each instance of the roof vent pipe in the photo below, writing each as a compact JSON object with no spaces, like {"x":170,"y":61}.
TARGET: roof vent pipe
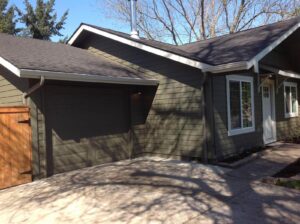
{"x":134,"y":33}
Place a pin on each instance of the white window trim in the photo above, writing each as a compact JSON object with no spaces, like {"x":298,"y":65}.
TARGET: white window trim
{"x":232,"y":132}
{"x":291,"y":114}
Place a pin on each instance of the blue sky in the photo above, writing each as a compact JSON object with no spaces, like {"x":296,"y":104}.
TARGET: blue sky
{"x":79,"y":11}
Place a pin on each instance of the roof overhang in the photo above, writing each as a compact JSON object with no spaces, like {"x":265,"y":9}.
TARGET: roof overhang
{"x":281,"y":72}
{"x":236,"y":66}
{"x":253,"y":63}
{"x":144,"y":47}
{"x":75,"y":77}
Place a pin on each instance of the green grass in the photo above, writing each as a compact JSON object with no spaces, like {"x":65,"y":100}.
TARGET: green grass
{"x":295,"y":184}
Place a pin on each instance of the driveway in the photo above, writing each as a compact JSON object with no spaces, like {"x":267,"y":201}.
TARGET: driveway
{"x":158,"y":191}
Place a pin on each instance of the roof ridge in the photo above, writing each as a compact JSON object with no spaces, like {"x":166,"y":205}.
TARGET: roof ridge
{"x":143,"y":38}
{"x":217,"y":37}
{"x":242,"y":31}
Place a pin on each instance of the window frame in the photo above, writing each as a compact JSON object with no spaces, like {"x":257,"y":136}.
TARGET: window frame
{"x":240,"y":79}
{"x":291,"y":114}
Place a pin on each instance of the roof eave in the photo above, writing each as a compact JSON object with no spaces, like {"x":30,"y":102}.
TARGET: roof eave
{"x":242,"y":65}
{"x":76,"y":77}
{"x":144,"y":47}
{"x":223,"y":68}
{"x":246,"y":65}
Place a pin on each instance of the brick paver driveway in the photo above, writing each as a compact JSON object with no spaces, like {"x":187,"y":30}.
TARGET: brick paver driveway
{"x":152,"y":191}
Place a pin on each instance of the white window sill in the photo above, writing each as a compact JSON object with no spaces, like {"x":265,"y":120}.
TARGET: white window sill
{"x":290,"y":115}
{"x":241,"y":131}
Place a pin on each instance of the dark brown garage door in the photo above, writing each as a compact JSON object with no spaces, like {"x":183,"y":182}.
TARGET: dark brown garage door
{"x":15,"y":146}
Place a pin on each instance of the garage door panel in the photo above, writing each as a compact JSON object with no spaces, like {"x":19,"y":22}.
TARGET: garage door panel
{"x":87,"y":125}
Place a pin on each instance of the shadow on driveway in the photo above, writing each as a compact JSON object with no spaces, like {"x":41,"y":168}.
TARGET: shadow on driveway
{"x":148,"y":190}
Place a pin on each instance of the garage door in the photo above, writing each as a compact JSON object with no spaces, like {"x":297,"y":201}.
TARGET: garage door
{"x":85,"y":126}
{"x":15,"y":146}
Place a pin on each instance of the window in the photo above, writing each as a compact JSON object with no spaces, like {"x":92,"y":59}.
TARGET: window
{"x":240,"y":104}
{"x":290,"y":99}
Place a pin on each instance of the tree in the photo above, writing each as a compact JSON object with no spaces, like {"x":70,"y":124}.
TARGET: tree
{"x":41,"y":22}
{"x":7,"y":18}
{"x":63,"y":40}
{"x":184,"y":21}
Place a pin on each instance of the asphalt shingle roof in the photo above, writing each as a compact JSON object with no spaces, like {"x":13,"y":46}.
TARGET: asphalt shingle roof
{"x":27,"y":53}
{"x":237,"y":47}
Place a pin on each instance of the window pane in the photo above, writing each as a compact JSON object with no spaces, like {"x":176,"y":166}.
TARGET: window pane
{"x":246,"y":104}
{"x":288,"y":99}
{"x":294,"y":99}
{"x":235,"y":105}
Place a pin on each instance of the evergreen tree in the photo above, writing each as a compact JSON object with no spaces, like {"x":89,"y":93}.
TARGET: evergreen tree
{"x":41,"y":22}
{"x":7,"y":18}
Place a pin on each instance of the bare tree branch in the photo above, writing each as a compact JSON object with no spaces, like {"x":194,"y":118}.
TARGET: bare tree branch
{"x":185,"y":21}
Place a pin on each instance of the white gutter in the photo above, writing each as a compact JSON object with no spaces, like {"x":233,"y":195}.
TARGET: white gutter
{"x":159,"y":52}
{"x":36,"y":74}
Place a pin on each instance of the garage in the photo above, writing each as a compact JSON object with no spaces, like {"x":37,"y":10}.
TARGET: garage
{"x":63,"y":108}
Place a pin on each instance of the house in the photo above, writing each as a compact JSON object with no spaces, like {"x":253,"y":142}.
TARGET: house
{"x":108,"y":96}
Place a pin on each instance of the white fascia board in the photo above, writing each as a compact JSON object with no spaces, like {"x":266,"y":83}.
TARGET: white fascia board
{"x":253,"y":62}
{"x":268,"y":49}
{"x":36,"y":74}
{"x":280,"y":72}
{"x":10,"y":66}
{"x":162,"y":53}
{"x":236,"y":66}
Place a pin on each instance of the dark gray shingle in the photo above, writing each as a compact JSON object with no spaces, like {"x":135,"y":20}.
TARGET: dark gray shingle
{"x":241,"y":46}
{"x":27,"y":53}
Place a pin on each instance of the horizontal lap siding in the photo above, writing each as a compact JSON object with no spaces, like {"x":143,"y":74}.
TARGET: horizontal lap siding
{"x":11,"y":88}
{"x":286,"y":127}
{"x":231,"y":145}
{"x":86,"y":126}
{"x":174,"y":126}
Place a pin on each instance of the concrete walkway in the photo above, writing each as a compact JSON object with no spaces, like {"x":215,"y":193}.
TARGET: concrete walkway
{"x":158,"y":191}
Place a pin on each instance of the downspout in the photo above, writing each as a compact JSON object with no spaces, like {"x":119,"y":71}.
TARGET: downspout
{"x":204,"y":117}
{"x":213,"y":128}
{"x":33,"y":89}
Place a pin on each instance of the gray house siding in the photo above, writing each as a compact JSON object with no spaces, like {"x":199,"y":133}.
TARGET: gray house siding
{"x":39,"y":155}
{"x":175,"y":123}
{"x":11,"y":88}
{"x":225,"y":145}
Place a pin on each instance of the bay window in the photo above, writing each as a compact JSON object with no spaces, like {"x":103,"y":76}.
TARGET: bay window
{"x":290,"y":99}
{"x":240,"y":104}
